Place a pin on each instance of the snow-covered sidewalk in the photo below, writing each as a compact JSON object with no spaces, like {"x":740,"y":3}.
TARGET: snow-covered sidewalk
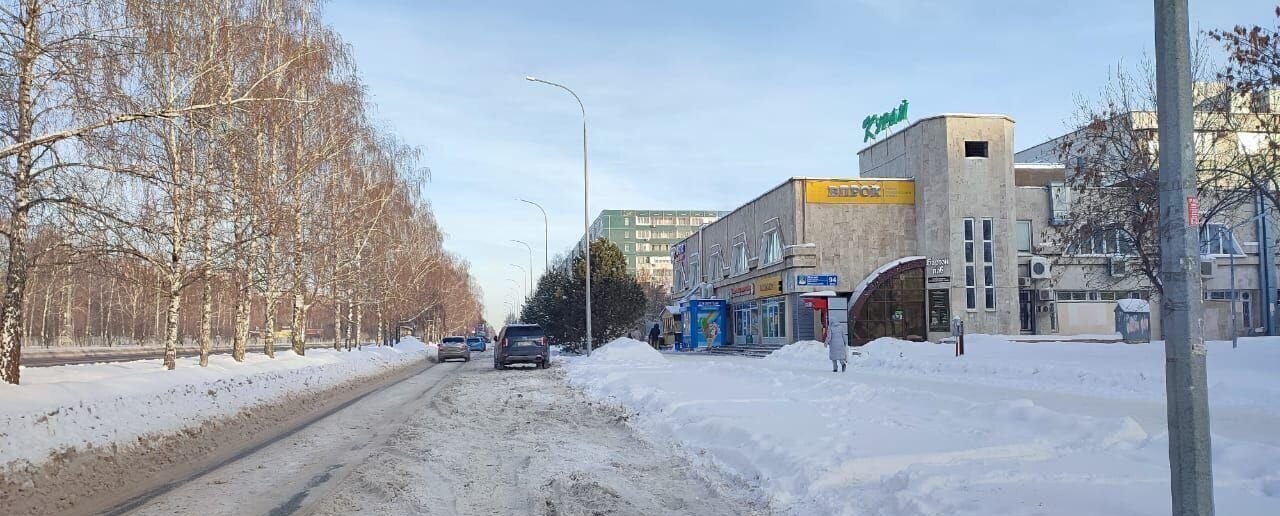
{"x":76,"y":407}
{"x":1025,"y":428}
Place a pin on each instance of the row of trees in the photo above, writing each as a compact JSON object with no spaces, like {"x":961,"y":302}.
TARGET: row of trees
{"x":617,"y":299}
{"x":1113,"y":159}
{"x":195,"y":169}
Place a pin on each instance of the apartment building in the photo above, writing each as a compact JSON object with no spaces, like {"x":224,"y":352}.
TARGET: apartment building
{"x":646,"y":236}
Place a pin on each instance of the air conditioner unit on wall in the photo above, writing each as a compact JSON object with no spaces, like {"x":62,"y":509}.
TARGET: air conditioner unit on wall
{"x":1044,"y":294}
{"x":1024,"y":282}
{"x":1118,"y":267}
{"x":1040,"y":267}
{"x":1208,"y":266}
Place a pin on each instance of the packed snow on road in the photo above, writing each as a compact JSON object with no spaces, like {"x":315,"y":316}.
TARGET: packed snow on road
{"x":1057,"y":428}
{"x":520,"y":441}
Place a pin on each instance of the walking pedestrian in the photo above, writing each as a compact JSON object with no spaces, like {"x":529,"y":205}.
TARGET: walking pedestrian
{"x":654,"y":333}
{"x":837,"y":351}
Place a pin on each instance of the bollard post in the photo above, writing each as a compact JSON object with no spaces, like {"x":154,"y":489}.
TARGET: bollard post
{"x":957,"y":331}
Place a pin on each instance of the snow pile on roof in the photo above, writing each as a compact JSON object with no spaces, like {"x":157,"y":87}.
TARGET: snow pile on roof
{"x":625,"y":350}
{"x":866,"y":282}
{"x":106,"y":404}
{"x":809,"y":352}
{"x":913,"y":430}
{"x":1134,"y":306}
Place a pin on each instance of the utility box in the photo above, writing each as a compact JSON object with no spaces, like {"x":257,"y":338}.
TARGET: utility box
{"x":1133,"y":320}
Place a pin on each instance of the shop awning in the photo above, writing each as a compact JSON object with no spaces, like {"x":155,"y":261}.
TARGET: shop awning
{"x":820,"y":293}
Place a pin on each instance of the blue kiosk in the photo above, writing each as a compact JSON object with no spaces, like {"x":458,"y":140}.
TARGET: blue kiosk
{"x":705,"y":323}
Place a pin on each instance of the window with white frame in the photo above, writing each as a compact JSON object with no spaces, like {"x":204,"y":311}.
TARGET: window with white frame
{"x":1024,"y":237}
{"x":715,"y":267}
{"x":1218,"y":239}
{"x":770,"y":247}
{"x":739,"y":265}
{"x":970,"y":276}
{"x":988,"y":263}
{"x":1104,"y":242}
{"x":773,"y":317}
{"x":643,"y":221}
{"x":677,"y":275}
{"x":644,"y":234}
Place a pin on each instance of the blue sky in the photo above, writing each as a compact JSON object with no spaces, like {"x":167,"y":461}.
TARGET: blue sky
{"x":704,"y":105}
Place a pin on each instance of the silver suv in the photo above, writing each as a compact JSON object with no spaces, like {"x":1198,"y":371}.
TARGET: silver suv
{"x":454,"y":347}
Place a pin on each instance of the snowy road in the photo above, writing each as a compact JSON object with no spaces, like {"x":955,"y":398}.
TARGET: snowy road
{"x":459,"y":439}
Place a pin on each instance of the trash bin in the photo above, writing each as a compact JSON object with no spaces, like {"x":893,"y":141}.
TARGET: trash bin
{"x":1133,"y":320}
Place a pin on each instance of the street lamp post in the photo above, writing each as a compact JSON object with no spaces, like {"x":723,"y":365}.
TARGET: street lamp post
{"x":546,"y":236}
{"x":586,"y":222}
{"x":530,"y":248}
{"x":523,"y":278}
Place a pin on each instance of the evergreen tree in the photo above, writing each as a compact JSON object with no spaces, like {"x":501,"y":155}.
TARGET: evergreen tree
{"x":617,"y":300}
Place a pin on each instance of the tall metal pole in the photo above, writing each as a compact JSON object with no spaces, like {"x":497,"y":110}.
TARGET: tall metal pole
{"x":1235,"y":332}
{"x":1190,"y":467}
{"x":522,"y":279}
{"x":1265,"y":268}
{"x":530,"y":248}
{"x":546,"y":237}
{"x":586,"y":217}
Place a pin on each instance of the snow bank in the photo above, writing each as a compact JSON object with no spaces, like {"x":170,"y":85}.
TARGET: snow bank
{"x":1243,"y":377}
{"x":625,"y":350}
{"x":97,"y":405}
{"x":911,"y":430}
{"x":807,"y":352}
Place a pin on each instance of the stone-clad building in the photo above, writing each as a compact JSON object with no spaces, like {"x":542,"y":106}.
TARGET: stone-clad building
{"x":941,"y":222}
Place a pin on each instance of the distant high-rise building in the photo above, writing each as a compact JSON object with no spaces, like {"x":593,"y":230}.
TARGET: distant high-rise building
{"x":646,"y":236}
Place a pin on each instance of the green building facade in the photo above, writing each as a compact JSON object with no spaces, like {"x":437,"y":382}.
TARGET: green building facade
{"x":646,"y":236}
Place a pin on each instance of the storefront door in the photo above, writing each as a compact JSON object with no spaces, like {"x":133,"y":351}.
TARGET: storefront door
{"x":1027,"y":311}
{"x":895,"y":308}
{"x":745,"y":326}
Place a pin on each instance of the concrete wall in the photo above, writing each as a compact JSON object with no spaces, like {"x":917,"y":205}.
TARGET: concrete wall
{"x":951,"y":187}
{"x":855,"y":239}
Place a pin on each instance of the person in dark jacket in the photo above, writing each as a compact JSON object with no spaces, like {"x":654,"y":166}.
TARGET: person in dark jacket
{"x":655,"y":333}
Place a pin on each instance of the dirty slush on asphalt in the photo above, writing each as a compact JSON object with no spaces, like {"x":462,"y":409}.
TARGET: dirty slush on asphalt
{"x":522,"y":442}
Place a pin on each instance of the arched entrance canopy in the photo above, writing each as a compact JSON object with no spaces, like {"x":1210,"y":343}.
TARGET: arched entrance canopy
{"x":889,"y":302}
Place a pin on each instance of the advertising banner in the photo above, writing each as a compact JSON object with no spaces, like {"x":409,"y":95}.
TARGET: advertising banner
{"x":859,"y":191}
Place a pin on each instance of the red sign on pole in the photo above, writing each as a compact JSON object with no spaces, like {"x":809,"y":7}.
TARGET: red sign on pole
{"x":1193,"y":211}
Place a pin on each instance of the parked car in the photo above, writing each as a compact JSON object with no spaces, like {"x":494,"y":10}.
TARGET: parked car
{"x":521,"y":344}
{"x":477,"y":343}
{"x":454,"y":347}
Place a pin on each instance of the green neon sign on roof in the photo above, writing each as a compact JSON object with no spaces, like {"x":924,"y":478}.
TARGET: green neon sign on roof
{"x":873,"y":125}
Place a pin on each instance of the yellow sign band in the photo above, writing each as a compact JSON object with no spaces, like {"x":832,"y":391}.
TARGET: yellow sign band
{"x":859,"y":191}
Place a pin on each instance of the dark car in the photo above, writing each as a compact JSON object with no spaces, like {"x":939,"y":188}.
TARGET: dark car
{"x":521,"y":344}
{"x":454,"y":347}
{"x":477,"y":343}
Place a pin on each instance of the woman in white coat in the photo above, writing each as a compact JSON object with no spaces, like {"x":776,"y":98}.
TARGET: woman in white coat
{"x":837,"y":351}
